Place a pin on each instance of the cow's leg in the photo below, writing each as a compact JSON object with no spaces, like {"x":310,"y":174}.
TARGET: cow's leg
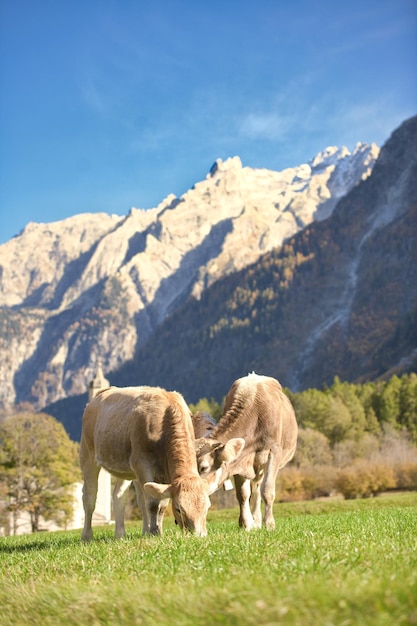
{"x":142,"y":506}
{"x":120,"y":491}
{"x":243,"y":492}
{"x":155,"y":510}
{"x":255,"y":500}
{"x":268,"y":488}
{"x":90,"y":477}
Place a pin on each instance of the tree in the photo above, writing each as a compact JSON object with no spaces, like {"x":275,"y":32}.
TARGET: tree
{"x":313,"y":448}
{"x":337,"y":423}
{"x":408,"y":404}
{"x":311,"y":405}
{"x":348,"y":394}
{"x":324,"y":412}
{"x":211,"y":407}
{"x":389,"y":402}
{"x":38,"y":468}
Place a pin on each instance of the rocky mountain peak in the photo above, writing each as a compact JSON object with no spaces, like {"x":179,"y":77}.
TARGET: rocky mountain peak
{"x":95,"y":286}
{"x":339,"y":298}
{"x":232,"y":163}
{"x":329,"y":156}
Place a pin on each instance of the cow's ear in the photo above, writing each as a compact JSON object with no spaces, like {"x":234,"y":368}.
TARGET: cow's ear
{"x":231,"y":450}
{"x":158,"y":490}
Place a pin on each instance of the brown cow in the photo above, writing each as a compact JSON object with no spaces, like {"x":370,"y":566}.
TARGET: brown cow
{"x":255,"y":437}
{"x":203,"y":425}
{"x":143,"y":434}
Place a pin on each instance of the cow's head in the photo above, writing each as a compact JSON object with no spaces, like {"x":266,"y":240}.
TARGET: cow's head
{"x":190,"y":501}
{"x":203,"y":424}
{"x":214,"y":457}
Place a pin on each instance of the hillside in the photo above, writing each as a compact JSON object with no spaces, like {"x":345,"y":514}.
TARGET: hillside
{"x":338,"y":298}
{"x":95,"y":287}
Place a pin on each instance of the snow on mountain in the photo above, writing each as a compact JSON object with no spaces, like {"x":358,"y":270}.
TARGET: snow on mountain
{"x":139,"y":267}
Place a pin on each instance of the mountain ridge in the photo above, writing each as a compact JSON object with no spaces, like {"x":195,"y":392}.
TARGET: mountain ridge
{"x":95,"y":287}
{"x":338,"y":298}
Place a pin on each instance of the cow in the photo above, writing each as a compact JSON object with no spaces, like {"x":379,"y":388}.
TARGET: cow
{"x":144,"y":434}
{"x":255,"y":437}
{"x":203,"y":425}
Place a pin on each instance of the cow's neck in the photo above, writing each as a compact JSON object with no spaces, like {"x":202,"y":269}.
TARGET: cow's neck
{"x":181,"y":458}
{"x":234,"y":423}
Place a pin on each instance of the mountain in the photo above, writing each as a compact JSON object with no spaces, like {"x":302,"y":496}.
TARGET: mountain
{"x":95,"y":288}
{"x":337,"y":298}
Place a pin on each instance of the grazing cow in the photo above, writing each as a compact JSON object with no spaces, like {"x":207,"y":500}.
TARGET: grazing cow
{"x":255,"y":437}
{"x":143,"y":434}
{"x":203,"y":425}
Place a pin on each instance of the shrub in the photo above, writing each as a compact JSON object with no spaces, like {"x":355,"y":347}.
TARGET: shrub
{"x":318,"y":481}
{"x":306,"y":483}
{"x":313,"y":448}
{"x":348,"y":485}
{"x":290,"y":485}
{"x":406,"y":475}
{"x":364,"y":479}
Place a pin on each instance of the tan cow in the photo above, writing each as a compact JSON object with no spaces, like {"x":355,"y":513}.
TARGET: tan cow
{"x":255,"y":437}
{"x":143,"y":434}
{"x":203,"y":425}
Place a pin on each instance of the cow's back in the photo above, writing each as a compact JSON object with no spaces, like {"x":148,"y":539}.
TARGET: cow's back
{"x":257,"y":409}
{"x":119,"y":419}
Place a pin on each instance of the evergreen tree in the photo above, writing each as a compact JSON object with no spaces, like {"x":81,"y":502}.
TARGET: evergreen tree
{"x":408,"y":404}
{"x":211,"y":407}
{"x":348,"y":394}
{"x":389,"y":402}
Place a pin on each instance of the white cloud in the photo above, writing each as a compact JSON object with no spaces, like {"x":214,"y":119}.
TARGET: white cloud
{"x":271,"y":126}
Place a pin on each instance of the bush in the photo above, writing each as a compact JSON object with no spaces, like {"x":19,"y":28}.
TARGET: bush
{"x":365,"y":479}
{"x":313,"y":448}
{"x":290,"y":485}
{"x":406,"y":475}
{"x":318,"y":482}
{"x":306,"y":483}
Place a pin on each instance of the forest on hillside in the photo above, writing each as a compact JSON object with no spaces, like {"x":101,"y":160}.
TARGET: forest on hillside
{"x":263,"y":317}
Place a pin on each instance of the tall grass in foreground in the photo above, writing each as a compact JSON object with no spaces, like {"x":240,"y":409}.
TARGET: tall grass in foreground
{"x":337,"y":562}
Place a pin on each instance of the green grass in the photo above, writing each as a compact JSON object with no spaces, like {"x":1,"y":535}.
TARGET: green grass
{"x":336,"y":562}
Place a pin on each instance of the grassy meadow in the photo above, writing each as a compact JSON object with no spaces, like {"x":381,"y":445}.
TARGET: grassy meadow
{"x":328,"y":562}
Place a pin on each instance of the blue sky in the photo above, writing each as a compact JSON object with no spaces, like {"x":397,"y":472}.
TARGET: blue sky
{"x":106,"y":105}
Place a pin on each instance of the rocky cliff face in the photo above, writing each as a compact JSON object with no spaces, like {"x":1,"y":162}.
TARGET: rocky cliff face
{"x":338,"y":298}
{"x":94,"y":287}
